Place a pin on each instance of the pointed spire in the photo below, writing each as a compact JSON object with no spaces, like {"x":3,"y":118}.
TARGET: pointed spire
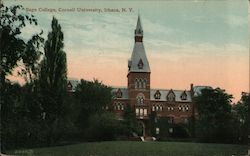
{"x":138,"y":61}
{"x":138,"y":29}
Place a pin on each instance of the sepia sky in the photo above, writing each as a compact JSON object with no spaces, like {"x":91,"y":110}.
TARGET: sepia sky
{"x":187,"y":41}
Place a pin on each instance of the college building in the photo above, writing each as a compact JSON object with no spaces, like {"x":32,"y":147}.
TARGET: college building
{"x":176,"y":105}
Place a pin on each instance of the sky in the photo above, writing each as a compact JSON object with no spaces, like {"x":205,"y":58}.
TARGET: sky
{"x":204,"y":42}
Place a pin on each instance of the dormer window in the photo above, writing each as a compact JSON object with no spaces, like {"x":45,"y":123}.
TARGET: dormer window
{"x":140,"y":64}
{"x":157,"y":95}
{"x":69,"y":86}
{"x":119,"y":93}
{"x":171,"y":96}
{"x":184,"y":96}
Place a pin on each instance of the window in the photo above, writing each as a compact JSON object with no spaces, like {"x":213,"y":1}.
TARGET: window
{"x":140,"y":64}
{"x":137,"y":111}
{"x":118,"y":107}
{"x":184,"y":96}
{"x":140,"y":84}
{"x":161,"y":108}
{"x":141,"y":112}
{"x":157,"y":130}
{"x":119,"y":93}
{"x":122,"y":107}
{"x":153,"y":108}
{"x":171,"y":96}
{"x":140,"y":99}
{"x":145,"y":112}
{"x":144,"y":84}
{"x":136,"y":83}
{"x":157,"y":108}
{"x":157,"y":95}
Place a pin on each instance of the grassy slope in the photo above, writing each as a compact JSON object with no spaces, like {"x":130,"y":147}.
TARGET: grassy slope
{"x":123,"y":148}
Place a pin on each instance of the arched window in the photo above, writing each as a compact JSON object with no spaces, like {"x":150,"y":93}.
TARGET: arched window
{"x":118,"y":106}
{"x":144,"y":83}
{"x":145,"y":112}
{"x":122,"y":107}
{"x":157,"y":94}
{"x":136,"y":83}
{"x":137,"y":111}
{"x":140,"y":99}
{"x":141,"y":112}
{"x":171,"y":96}
{"x":140,"y":83}
{"x":153,"y":108}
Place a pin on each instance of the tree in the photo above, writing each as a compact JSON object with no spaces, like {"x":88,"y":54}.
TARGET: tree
{"x":241,"y":110}
{"x":15,"y":111}
{"x":53,"y":80}
{"x":12,"y":47}
{"x":130,"y":121}
{"x":214,"y":120}
{"x":92,"y":97}
{"x":102,"y":126}
{"x":54,"y":65}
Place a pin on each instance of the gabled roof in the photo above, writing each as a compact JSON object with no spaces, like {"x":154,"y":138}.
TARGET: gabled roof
{"x":74,"y":84}
{"x":123,"y":90}
{"x":164,"y":94}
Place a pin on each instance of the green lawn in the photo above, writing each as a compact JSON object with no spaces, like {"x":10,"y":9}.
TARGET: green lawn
{"x":128,"y":148}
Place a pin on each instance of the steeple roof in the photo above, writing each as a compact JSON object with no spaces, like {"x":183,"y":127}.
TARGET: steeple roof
{"x":139,"y":29}
{"x":138,"y":61}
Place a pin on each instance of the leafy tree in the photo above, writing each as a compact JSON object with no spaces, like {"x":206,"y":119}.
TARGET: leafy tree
{"x":12,"y":47}
{"x":54,"y":64}
{"x":130,"y":121}
{"x":53,"y":80}
{"x":92,"y":98}
{"x":102,"y":126}
{"x":19,"y":111}
{"x":241,"y":110}
{"x":214,"y":121}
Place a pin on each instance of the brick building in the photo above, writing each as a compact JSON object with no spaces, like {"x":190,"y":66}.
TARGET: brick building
{"x":176,"y":105}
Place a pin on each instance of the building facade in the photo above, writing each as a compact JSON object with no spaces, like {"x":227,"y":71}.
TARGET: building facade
{"x":176,"y":105}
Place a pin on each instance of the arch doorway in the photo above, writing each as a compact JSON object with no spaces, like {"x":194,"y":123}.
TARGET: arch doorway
{"x":142,"y":128}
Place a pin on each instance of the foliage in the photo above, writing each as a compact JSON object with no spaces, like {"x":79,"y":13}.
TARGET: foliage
{"x":130,"y":122}
{"x":167,"y":129}
{"x":12,"y":47}
{"x":102,"y":127}
{"x":241,"y":112}
{"x":214,"y":121}
{"x":54,"y":65}
{"x":92,"y":97}
{"x":52,"y":85}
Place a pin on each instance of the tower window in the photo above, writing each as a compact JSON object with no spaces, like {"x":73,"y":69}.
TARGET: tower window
{"x":140,"y":100}
{"x":140,"y":64}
